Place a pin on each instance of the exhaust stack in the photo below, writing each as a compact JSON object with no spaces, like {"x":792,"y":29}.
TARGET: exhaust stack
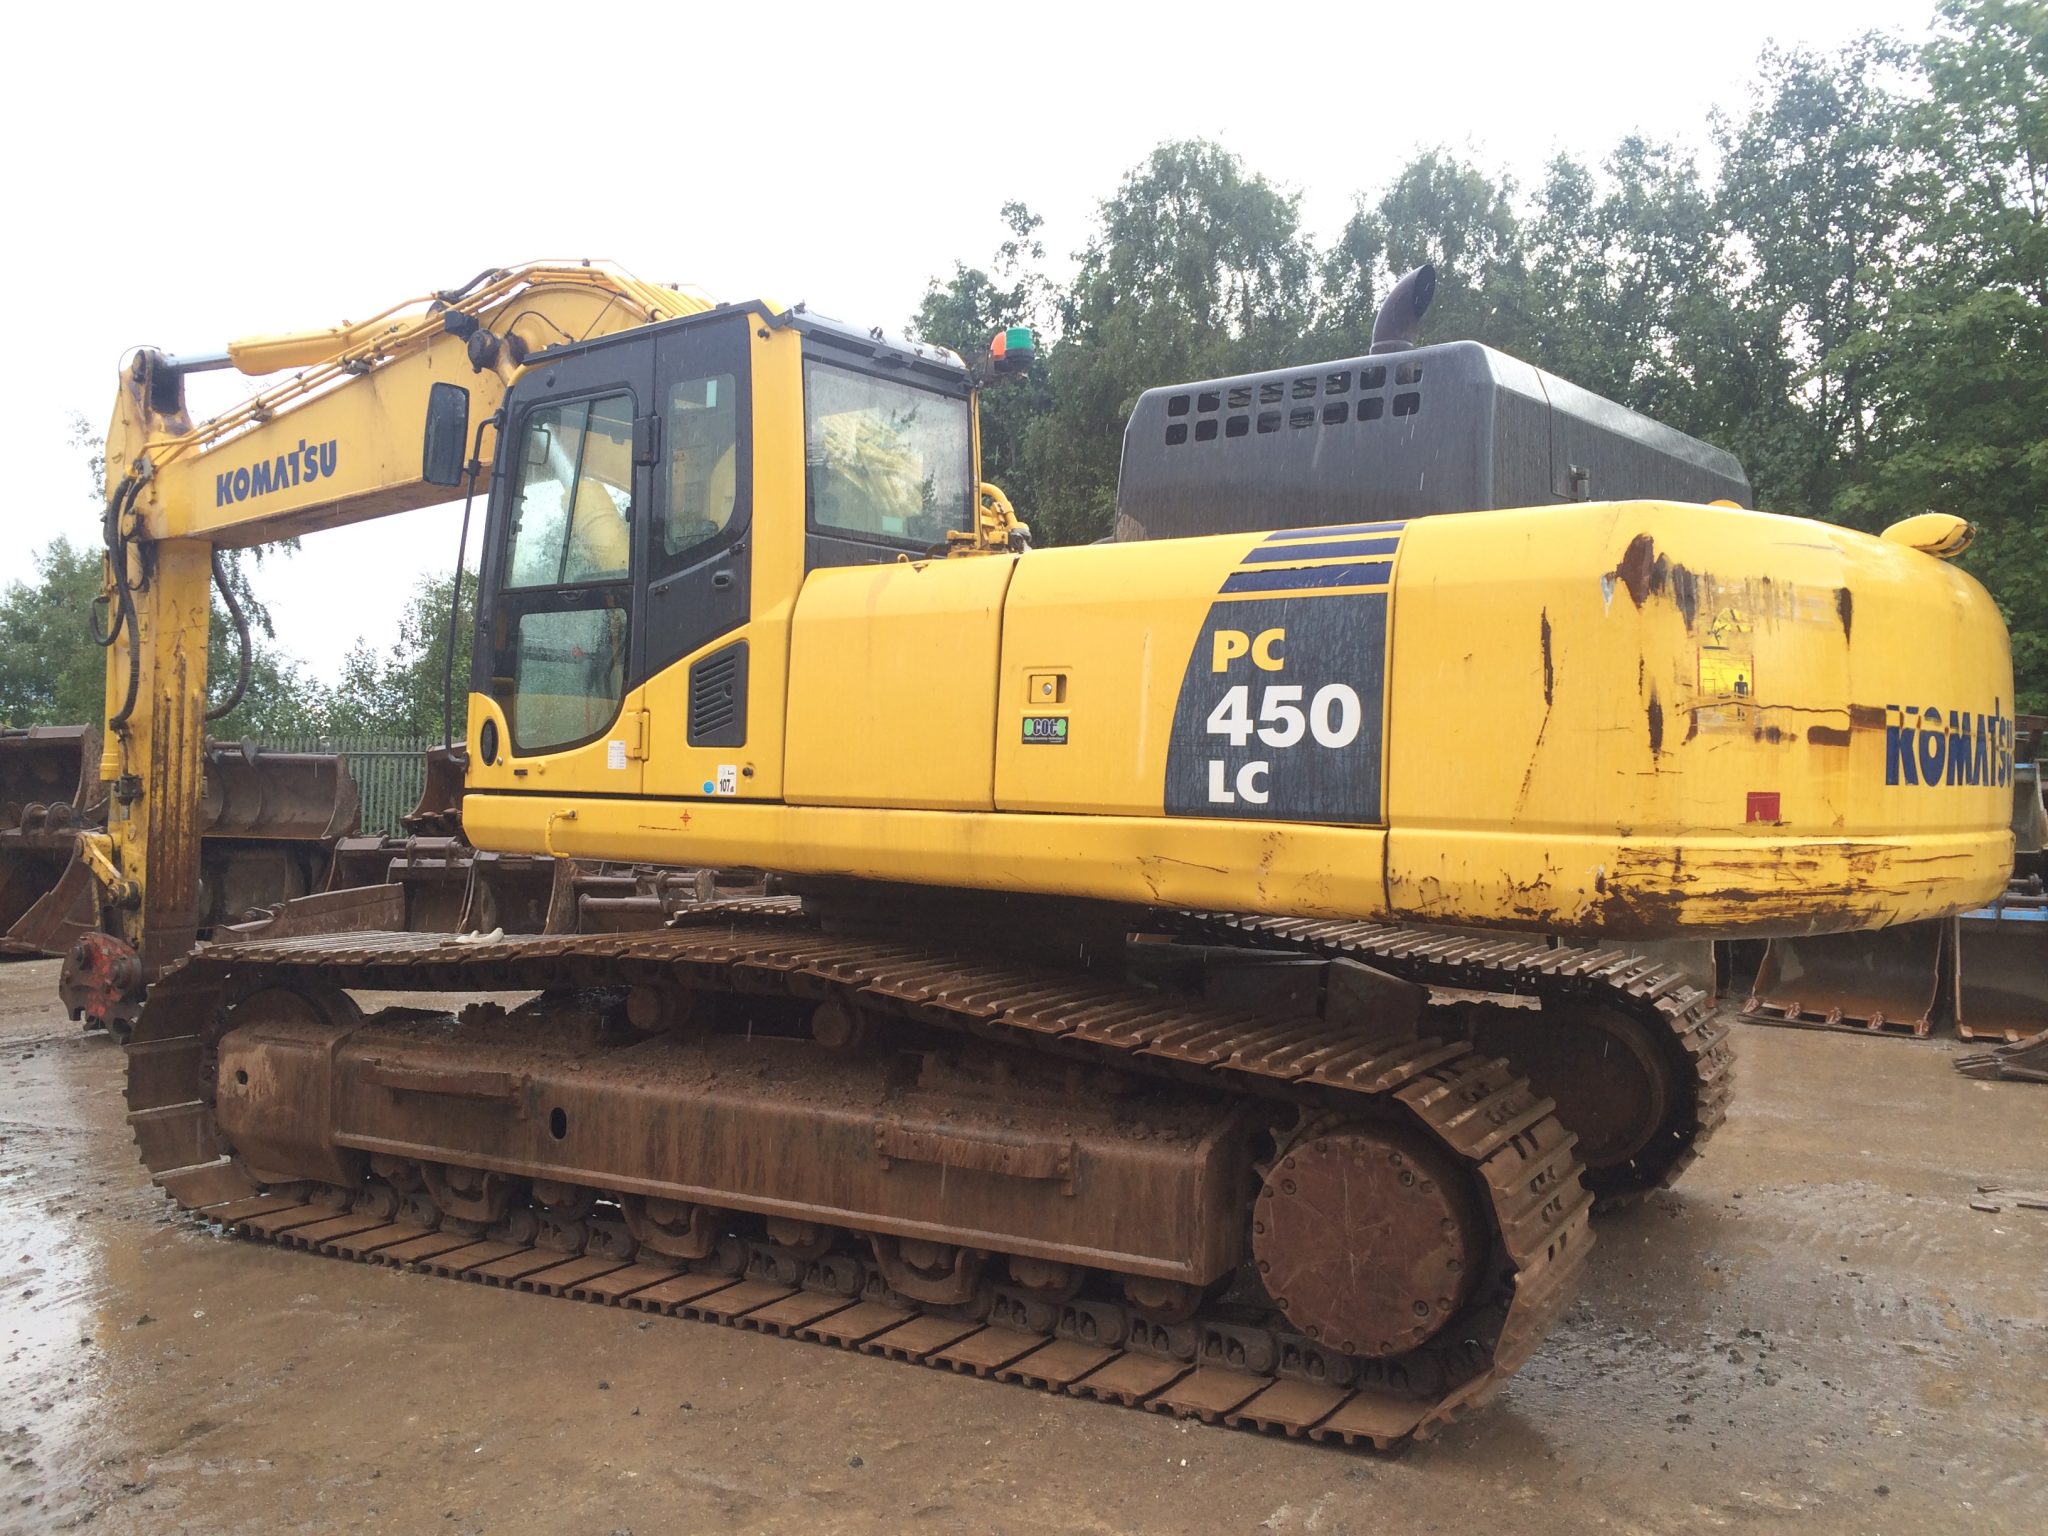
{"x":1399,"y":321}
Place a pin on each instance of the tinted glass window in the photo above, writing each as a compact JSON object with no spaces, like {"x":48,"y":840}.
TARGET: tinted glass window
{"x":568,"y":674}
{"x":572,"y":518}
{"x":703,"y":462}
{"x":885,"y":459}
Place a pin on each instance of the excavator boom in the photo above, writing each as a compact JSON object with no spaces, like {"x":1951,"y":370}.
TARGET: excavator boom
{"x":338,"y":441}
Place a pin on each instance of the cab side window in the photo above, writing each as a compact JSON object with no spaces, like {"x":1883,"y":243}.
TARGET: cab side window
{"x":703,"y":466}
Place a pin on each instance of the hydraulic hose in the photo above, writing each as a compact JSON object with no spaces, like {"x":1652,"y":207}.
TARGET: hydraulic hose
{"x":123,"y":617}
{"x":452,"y":295}
{"x":241,"y":621}
{"x":476,"y":464}
{"x":117,"y":506}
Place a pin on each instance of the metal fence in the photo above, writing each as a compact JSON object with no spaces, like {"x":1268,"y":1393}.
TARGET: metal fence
{"x":390,"y":771}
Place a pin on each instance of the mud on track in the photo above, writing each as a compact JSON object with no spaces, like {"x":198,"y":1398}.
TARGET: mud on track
{"x":1816,"y":1313}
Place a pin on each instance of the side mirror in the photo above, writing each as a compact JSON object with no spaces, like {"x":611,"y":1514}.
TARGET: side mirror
{"x":447,"y":435}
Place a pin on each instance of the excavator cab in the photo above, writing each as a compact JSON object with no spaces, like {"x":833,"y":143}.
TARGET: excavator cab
{"x":657,"y":497}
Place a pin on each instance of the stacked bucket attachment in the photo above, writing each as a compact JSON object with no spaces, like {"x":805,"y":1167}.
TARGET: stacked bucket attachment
{"x":1892,"y":981}
{"x":270,"y":822}
{"x":50,"y":790}
{"x":430,"y":880}
{"x":1982,"y":975}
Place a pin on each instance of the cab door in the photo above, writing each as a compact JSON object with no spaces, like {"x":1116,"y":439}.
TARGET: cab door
{"x":695,"y":651}
{"x":556,"y":708}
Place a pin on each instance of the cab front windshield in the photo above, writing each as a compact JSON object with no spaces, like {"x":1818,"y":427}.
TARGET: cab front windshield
{"x":885,"y":459}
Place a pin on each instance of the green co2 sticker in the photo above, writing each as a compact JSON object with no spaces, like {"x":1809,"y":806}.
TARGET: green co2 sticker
{"x":1281,"y":712}
{"x":1045,"y":730}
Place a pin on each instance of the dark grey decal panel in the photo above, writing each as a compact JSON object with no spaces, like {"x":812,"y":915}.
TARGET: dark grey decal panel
{"x":1282,"y":711}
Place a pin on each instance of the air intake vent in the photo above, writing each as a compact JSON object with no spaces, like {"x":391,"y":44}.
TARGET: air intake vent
{"x":718,"y":698}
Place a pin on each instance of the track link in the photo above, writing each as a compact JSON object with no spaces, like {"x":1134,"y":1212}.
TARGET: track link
{"x":1520,"y":1159}
{"x":1679,"y":1020}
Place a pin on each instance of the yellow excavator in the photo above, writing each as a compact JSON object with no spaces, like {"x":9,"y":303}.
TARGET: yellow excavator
{"x":1157,"y":948}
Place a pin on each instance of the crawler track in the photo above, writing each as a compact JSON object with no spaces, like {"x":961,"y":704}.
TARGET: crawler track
{"x":1677,"y":1019}
{"x":1233,"y":1362}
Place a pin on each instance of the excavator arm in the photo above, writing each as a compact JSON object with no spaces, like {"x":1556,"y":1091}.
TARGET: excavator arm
{"x":377,"y":416}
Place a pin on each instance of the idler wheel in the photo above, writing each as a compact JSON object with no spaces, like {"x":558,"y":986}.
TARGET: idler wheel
{"x":1367,"y":1238}
{"x":1600,"y":1068}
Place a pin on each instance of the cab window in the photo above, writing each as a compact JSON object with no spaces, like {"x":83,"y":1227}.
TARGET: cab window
{"x":568,"y":674}
{"x":884,"y":459}
{"x":559,"y":625}
{"x":703,"y":463}
{"x":571,"y":522}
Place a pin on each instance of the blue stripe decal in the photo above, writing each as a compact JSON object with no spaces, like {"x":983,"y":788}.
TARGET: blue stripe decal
{"x":1352,"y":574}
{"x":1265,"y":554}
{"x":1334,"y":532}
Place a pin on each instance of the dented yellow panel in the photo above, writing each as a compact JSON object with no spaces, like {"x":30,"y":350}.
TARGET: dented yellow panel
{"x":1640,"y":718}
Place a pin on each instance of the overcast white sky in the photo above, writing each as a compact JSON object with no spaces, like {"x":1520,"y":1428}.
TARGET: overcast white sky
{"x":181,"y":175}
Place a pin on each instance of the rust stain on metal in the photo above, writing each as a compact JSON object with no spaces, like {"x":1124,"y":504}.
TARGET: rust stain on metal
{"x":1648,"y":574}
{"x":1845,"y":605}
{"x":1638,"y":569}
{"x":1549,"y":671}
{"x":1656,"y":714}
{"x":1827,"y":736}
{"x":1685,"y":592}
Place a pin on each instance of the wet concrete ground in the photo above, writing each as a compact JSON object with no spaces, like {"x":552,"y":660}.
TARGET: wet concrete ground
{"x":1814,"y":1332}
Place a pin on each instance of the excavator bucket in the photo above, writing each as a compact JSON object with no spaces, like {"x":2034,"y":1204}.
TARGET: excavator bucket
{"x":1898,"y":980}
{"x":417,"y":883}
{"x":68,"y":910}
{"x":2005,"y":945}
{"x":269,"y":822}
{"x":49,"y":788}
{"x":439,"y":813}
{"x":277,"y":796}
{"x":2004,"y":966}
{"x":431,"y":874}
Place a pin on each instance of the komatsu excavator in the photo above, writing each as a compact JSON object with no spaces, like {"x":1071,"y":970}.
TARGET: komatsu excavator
{"x":1088,"y":1043}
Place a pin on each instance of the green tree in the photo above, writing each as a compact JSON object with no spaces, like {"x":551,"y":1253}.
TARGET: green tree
{"x":1198,"y":267}
{"x":1966,"y":369}
{"x":1819,"y":188}
{"x":1627,"y":274}
{"x":398,"y":691}
{"x":967,"y":310}
{"x":1441,"y":209}
{"x":50,"y":671}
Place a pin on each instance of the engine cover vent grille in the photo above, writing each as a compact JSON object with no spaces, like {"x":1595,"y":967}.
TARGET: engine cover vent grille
{"x":718,"y":698}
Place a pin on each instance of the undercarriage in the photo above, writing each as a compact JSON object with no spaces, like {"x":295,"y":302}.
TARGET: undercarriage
{"x":1313,"y":1215}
